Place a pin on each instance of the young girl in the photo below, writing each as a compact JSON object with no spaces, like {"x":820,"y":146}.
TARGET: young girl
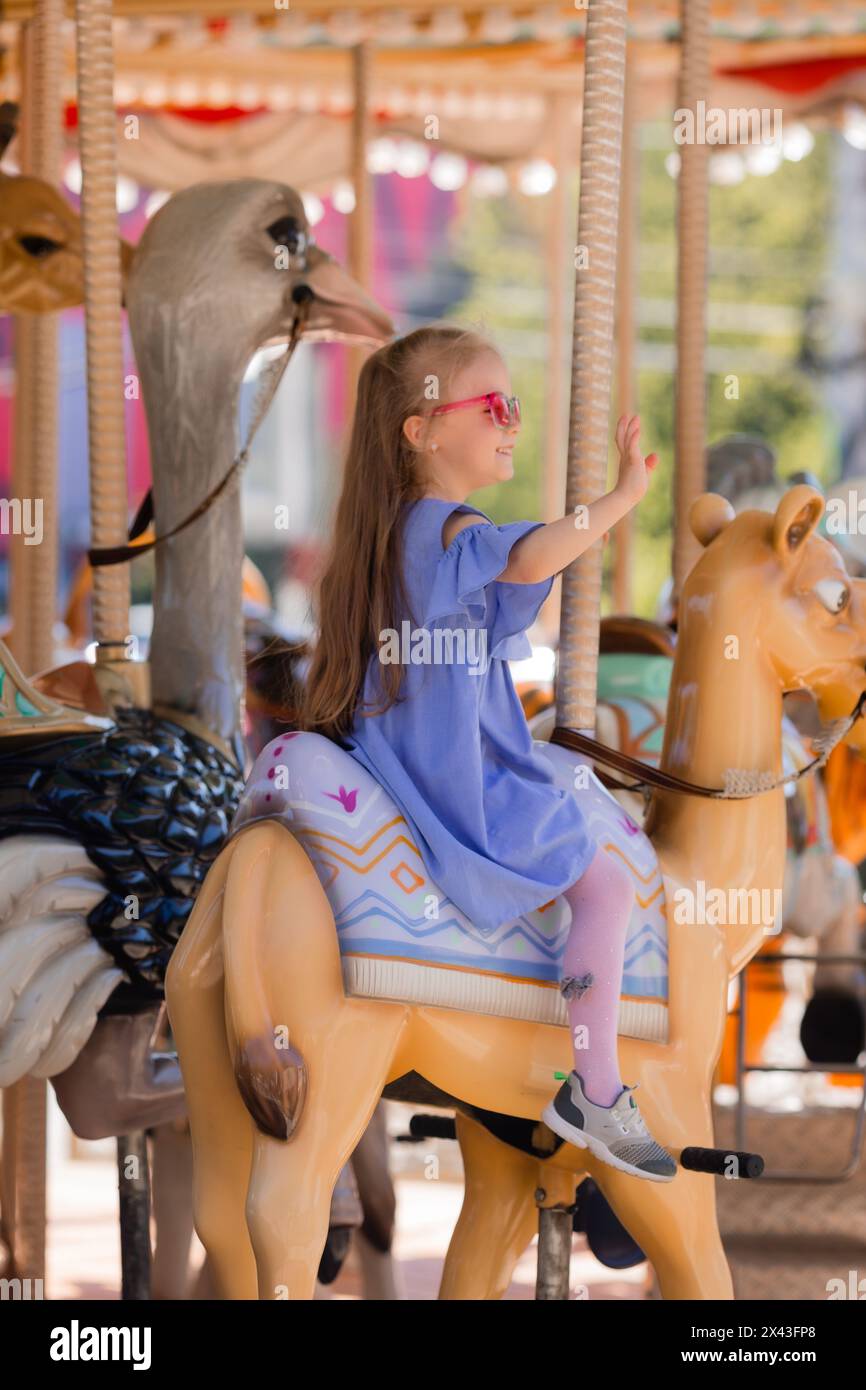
{"x":435,"y":421}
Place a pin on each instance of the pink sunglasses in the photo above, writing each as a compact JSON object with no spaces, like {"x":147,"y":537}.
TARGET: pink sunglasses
{"x":504,"y":410}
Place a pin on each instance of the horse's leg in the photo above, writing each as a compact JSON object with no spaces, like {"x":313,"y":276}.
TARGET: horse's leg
{"x":171,"y":1187}
{"x":498,"y":1218}
{"x":291,"y":1182}
{"x":310,"y":1063}
{"x":220,"y":1126}
{"x":373,"y":1241}
{"x":676,"y":1227}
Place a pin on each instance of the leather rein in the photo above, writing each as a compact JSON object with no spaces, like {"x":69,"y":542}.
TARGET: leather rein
{"x":738,"y":785}
{"x":303,"y":296}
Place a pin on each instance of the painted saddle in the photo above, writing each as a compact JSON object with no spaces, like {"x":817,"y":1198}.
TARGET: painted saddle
{"x":402,"y":939}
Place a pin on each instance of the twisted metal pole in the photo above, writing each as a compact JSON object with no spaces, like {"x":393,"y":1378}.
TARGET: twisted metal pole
{"x":102,"y":310}
{"x":626,"y":365}
{"x":108,"y":485}
{"x":360,"y":228}
{"x":33,"y":586}
{"x":692,"y":241}
{"x":592,"y":349}
{"x":33,"y":568}
{"x":558,"y":256}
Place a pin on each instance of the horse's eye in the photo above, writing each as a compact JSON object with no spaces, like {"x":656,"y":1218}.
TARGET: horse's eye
{"x":38,"y":246}
{"x":286,"y":232}
{"x":833,"y":594}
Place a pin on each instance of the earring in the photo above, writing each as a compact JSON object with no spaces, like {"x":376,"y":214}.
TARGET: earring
{"x":433,"y":448}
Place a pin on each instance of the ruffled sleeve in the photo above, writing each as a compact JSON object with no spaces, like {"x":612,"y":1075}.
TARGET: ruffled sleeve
{"x":466,"y":585}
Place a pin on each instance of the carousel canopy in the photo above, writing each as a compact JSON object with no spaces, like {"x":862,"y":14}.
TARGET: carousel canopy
{"x":226,"y":89}
{"x":493,"y":20}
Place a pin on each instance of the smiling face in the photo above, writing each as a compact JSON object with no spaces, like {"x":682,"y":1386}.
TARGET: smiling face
{"x":464,"y":450}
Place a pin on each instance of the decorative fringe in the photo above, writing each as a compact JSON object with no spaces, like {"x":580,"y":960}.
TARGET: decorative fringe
{"x":740,"y":784}
{"x":833,"y":733}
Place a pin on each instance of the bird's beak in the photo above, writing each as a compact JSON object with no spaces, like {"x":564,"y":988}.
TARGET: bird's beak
{"x":341,"y":310}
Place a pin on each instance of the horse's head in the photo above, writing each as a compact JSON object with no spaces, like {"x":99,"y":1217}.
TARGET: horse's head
{"x":784,"y":589}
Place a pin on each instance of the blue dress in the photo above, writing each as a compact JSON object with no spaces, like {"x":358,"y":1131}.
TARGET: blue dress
{"x":455,"y":753}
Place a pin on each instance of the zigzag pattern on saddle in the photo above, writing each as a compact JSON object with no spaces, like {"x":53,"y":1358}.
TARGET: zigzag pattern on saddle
{"x":400,"y":938}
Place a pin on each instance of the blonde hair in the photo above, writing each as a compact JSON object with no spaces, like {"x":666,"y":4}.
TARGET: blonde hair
{"x":361,"y":592}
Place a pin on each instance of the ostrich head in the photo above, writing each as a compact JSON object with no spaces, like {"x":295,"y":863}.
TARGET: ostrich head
{"x":222,"y":266}
{"x":218,"y":273}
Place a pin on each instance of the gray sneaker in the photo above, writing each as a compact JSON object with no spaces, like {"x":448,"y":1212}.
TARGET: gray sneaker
{"x":616,"y":1134}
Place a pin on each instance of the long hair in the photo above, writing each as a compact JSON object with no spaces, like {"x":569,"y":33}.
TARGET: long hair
{"x":362,"y":592}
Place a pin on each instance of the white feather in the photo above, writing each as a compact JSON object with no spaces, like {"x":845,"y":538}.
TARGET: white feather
{"x":54,"y":976}
{"x":77,"y":1023}
{"x":35,"y":1020}
{"x":28,"y":860}
{"x":28,"y":949}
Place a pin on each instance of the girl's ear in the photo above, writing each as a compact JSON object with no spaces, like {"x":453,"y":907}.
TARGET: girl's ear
{"x":414,"y":429}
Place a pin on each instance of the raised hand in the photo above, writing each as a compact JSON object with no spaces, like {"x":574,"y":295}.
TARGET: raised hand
{"x":634,"y":469}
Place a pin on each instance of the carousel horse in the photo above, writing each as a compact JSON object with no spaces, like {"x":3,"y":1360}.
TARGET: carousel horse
{"x":109,"y":820}
{"x":320,"y":966}
{"x":821,"y":893}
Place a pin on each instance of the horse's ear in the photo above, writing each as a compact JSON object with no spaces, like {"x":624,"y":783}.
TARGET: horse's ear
{"x":796,"y":517}
{"x":708,"y":515}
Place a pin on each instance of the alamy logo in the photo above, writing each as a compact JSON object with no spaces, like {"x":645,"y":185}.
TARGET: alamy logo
{"x":77,"y":1343}
{"x":739,"y":126}
{"x":855,"y":1288}
{"x":22,"y":1290}
{"x":22,"y":518}
{"x":444,"y":646}
{"x":846,"y":516}
{"x":731,"y":907}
